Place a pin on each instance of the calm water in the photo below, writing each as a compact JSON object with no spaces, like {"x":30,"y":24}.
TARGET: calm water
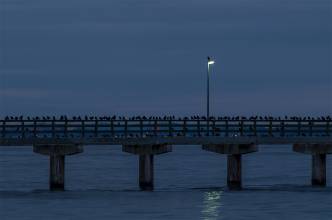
{"x":101,"y":183}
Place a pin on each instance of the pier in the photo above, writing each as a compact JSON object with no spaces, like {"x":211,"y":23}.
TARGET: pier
{"x":149,"y":137}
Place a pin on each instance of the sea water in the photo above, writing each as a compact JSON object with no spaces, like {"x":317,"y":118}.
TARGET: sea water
{"x":102,"y":183}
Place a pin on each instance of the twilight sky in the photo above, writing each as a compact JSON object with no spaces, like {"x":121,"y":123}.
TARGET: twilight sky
{"x":149,"y":57}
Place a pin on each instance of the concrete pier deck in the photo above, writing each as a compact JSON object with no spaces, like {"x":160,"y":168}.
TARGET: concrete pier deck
{"x":146,"y":138}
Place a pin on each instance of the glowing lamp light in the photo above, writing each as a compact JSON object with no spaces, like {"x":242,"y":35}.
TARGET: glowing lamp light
{"x":210,"y":62}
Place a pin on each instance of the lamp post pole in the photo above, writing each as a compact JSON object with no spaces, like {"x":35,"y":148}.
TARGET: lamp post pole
{"x":209,"y":62}
{"x":208,"y":92}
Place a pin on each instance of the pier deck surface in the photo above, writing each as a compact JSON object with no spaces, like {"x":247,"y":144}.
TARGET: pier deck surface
{"x":21,"y":132}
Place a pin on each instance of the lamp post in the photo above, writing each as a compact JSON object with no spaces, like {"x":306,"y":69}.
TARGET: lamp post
{"x":209,"y":62}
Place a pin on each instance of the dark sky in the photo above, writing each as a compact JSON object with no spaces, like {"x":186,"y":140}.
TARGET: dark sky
{"x":149,"y":57}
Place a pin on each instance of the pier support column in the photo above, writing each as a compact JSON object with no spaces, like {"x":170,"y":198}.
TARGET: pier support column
{"x":146,"y":172}
{"x":234,"y":159}
{"x":318,"y":176}
{"x":318,"y":153}
{"x":234,"y":171}
{"x":146,"y":155}
{"x":57,"y":154}
{"x":57,"y":172}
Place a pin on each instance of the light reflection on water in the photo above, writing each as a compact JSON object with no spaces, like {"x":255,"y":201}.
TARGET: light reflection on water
{"x":211,"y":205}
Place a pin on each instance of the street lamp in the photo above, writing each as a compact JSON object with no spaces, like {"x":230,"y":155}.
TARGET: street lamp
{"x":209,"y":62}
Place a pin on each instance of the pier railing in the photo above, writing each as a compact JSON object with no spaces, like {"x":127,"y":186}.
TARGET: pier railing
{"x":20,"y":129}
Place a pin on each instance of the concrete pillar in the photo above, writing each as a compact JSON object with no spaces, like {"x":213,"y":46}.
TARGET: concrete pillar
{"x":318,"y":153}
{"x":146,"y":172}
{"x":234,"y":155}
{"x":234,"y":171}
{"x":57,"y":172}
{"x":57,"y":154}
{"x":318,"y":177}
{"x":146,"y":155}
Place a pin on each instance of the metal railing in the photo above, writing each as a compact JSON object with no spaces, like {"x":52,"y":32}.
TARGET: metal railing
{"x":20,"y":129}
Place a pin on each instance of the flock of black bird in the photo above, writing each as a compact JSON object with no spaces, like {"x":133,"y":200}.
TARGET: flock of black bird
{"x":135,"y":118}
